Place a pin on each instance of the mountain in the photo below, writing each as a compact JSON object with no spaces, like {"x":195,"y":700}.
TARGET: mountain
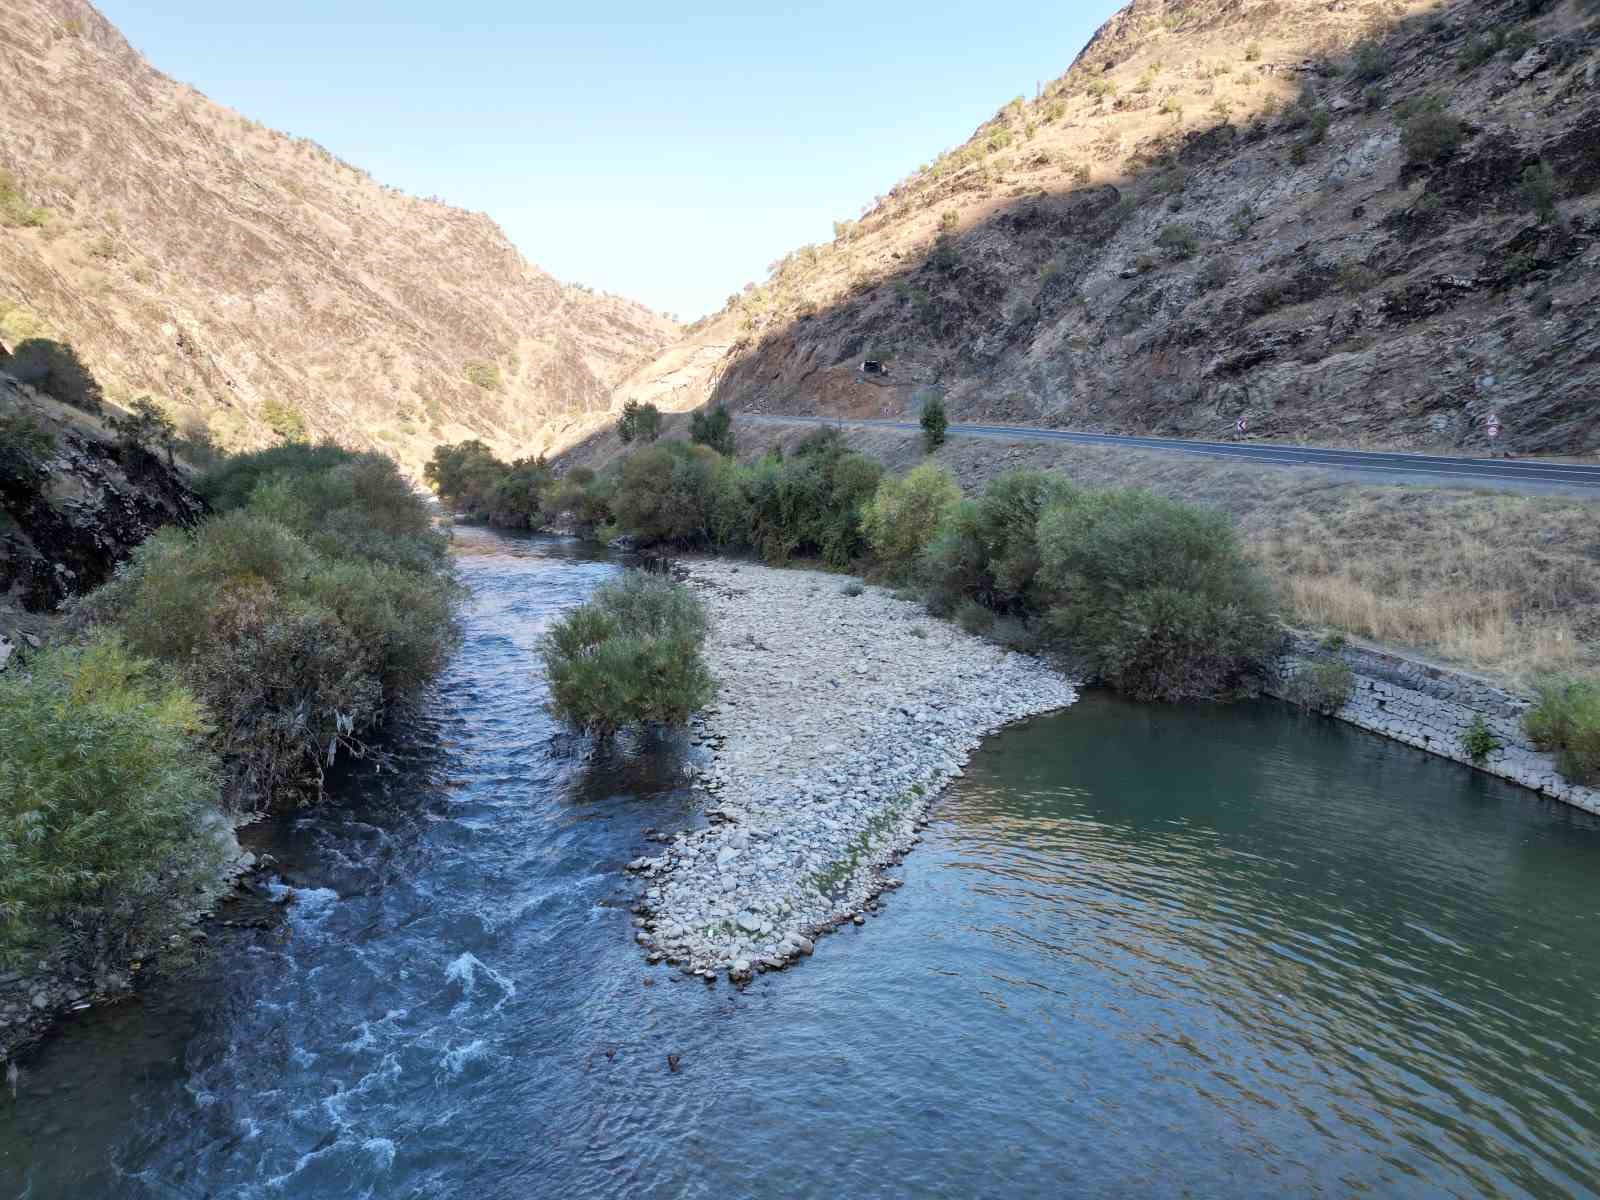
{"x":253,"y":283}
{"x":1355,"y":223}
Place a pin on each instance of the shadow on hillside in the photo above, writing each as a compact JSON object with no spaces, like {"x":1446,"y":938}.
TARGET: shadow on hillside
{"x":1203,"y":308}
{"x":56,"y":370}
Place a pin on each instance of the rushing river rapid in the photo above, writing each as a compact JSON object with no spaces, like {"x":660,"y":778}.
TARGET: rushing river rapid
{"x":1143,"y":951}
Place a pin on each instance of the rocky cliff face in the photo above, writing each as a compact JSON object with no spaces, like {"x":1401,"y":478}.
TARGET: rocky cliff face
{"x":1369,"y":224}
{"x":253,"y":284}
{"x":74,"y":502}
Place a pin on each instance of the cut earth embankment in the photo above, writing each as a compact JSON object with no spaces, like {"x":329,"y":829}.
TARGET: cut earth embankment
{"x":841,"y":712}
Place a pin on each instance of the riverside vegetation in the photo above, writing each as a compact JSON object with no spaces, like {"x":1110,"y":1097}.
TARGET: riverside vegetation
{"x":221,"y":671}
{"x":1036,"y":561}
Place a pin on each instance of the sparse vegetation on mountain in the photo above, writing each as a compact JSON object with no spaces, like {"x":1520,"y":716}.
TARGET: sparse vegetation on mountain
{"x":15,"y":211}
{"x":1429,"y":133}
{"x":381,"y":318}
{"x":1112,"y":340}
{"x":641,"y":422}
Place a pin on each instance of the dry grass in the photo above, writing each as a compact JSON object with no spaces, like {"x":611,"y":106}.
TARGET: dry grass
{"x":1504,"y":584}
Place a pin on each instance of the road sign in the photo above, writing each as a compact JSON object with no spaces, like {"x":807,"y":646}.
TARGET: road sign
{"x":1493,"y":425}
{"x":1240,"y":425}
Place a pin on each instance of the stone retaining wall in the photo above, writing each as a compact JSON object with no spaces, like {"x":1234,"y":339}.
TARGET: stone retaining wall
{"x":1431,"y":707}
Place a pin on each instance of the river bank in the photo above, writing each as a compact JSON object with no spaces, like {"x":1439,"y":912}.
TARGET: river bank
{"x":841,"y":712}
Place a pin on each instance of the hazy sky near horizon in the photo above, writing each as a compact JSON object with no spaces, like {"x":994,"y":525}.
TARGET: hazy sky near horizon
{"x":663,"y":152}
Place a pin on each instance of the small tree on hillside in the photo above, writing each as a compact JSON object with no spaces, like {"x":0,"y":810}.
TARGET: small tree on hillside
{"x":146,"y":427}
{"x":934,"y":424}
{"x":713,"y":429}
{"x":641,"y":421}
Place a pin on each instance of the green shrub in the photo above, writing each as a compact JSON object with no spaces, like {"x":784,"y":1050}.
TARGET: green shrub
{"x":25,"y":448}
{"x":1538,"y":188}
{"x":303,"y":617}
{"x":988,"y":549}
{"x":1322,"y":685}
{"x":485,"y":375}
{"x":852,"y":589}
{"x":810,"y":503}
{"x":1252,"y":52}
{"x":146,"y":427}
{"x":639,"y":421}
{"x":108,"y":825}
{"x":517,"y":499}
{"x":1480,"y":48}
{"x":665,"y":494}
{"x":630,"y":655}
{"x":285,"y":420}
{"x":1479,"y":741}
{"x":230,"y":484}
{"x":974,"y":617}
{"x":14,"y":207}
{"x":1565,"y":718}
{"x":1371,"y":60}
{"x":905,"y":513}
{"x":55,"y":369}
{"x":934,"y":424}
{"x":1155,"y":596}
{"x":1178,"y":241}
{"x":713,"y":429}
{"x":1429,"y":134}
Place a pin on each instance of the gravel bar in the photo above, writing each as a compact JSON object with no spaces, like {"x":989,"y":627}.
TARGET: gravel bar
{"x":838,"y":719}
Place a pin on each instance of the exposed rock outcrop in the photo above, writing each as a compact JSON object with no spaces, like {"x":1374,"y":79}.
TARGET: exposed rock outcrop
{"x":1215,"y":213}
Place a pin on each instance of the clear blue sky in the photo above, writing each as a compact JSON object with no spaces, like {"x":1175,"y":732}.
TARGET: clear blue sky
{"x":666,"y":152}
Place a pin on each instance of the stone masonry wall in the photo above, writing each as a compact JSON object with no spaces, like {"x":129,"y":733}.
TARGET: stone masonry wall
{"x":1430,"y":707}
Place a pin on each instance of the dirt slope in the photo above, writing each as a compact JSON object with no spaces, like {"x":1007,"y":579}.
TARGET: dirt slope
{"x":247,"y":279}
{"x":1215,"y":213}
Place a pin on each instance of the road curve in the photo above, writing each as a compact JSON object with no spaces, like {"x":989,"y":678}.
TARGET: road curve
{"x":1522,"y":475}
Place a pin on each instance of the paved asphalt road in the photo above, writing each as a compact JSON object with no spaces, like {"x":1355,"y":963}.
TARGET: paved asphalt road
{"x":1521,"y":475}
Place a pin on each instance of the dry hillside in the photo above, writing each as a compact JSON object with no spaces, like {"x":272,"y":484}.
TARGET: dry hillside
{"x":1358,"y":223}
{"x":251,"y":282}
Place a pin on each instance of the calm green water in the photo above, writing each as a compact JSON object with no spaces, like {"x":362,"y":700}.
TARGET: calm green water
{"x":1143,"y":952}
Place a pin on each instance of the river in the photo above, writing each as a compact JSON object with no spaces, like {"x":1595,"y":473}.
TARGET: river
{"x":1143,"y":951}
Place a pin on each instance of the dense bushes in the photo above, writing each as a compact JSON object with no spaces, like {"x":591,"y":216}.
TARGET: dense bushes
{"x":108,"y":824}
{"x":1149,"y":595}
{"x":313,"y":604}
{"x":1155,"y":595}
{"x":632,"y":654}
{"x":808,"y":505}
{"x":988,"y":549}
{"x":906,"y":512}
{"x":1566,"y":719}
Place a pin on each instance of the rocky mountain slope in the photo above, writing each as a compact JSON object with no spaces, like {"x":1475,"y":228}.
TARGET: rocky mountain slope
{"x":1357,"y":223}
{"x":254,"y":284}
